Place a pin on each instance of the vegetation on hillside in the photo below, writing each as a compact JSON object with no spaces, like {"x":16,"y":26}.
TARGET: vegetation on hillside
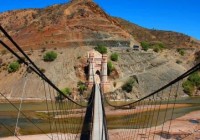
{"x":114,"y":56}
{"x":157,"y":47}
{"x":110,"y":67}
{"x":101,"y":49}
{"x":81,"y":87}
{"x":181,"y":51}
{"x":128,"y":86}
{"x":168,"y":38}
{"x":50,"y":56}
{"x":66,"y":91}
{"x":13,"y":67}
{"x":192,"y":84}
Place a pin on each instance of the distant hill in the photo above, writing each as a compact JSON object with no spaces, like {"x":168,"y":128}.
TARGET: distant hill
{"x":169,"y":38}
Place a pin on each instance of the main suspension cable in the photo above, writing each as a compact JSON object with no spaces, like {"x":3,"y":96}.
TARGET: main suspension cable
{"x":40,"y":74}
{"x":190,"y":71}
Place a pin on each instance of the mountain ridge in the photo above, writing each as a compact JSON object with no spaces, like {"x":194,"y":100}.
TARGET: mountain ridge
{"x":83,"y":22}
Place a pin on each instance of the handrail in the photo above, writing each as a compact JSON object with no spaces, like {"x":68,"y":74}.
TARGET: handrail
{"x":33,"y":67}
{"x":187,"y":73}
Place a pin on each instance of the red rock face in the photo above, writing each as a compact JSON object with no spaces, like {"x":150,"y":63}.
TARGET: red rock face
{"x":61,"y":25}
{"x":80,"y":22}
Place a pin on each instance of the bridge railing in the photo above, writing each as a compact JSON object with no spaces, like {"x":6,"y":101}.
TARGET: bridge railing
{"x":153,"y":116}
{"x":57,"y":116}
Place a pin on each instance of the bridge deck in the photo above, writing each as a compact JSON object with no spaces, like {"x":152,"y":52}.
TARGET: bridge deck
{"x":98,"y":132}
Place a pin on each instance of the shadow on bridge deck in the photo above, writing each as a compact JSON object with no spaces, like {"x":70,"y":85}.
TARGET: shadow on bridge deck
{"x":87,"y":124}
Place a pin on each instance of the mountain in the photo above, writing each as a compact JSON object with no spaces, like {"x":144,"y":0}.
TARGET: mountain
{"x":76,"y":23}
{"x":81,"y":22}
{"x":169,"y":38}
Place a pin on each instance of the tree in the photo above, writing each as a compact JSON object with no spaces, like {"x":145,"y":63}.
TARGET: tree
{"x":192,"y":83}
{"x":81,"y":87}
{"x":156,"y":46}
{"x":110,"y":67}
{"x":66,"y":91}
{"x":188,"y":87}
{"x":13,"y":67}
{"x":128,"y":86}
{"x":101,"y":49}
{"x":50,"y":56}
{"x":114,"y":57}
{"x":145,"y":45}
{"x":195,"y":79}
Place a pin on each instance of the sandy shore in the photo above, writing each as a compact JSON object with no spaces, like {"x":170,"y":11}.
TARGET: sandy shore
{"x":44,"y":137}
{"x":118,"y":112}
{"x":181,"y":127}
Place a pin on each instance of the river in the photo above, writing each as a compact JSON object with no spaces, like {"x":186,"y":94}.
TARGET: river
{"x":8,"y":117}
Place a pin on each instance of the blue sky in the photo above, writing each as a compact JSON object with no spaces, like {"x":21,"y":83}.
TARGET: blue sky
{"x":174,"y":15}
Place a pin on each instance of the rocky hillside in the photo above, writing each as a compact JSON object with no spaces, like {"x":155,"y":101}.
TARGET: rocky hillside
{"x":78,"y":22}
{"x":82,"y":22}
{"x":169,"y":38}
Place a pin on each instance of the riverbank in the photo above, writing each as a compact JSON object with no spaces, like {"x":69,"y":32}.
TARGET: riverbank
{"x":187,"y":127}
{"x":43,"y":137}
{"x":18,"y":100}
{"x":182,"y":127}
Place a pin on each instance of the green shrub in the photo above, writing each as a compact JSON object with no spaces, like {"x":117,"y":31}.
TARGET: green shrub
{"x":50,"y":56}
{"x":66,"y":91}
{"x":181,"y":51}
{"x":110,"y":67}
{"x":81,"y":87}
{"x":195,"y":79}
{"x":188,"y":87}
{"x":145,"y":45}
{"x":192,"y":83}
{"x":158,"y":47}
{"x":114,"y":57}
{"x":101,"y":49}
{"x":161,"y":46}
{"x":128,"y":86}
{"x":13,"y":67}
{"x":155,"y":46}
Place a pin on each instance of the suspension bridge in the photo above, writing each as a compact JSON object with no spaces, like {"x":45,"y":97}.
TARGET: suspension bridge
{"x":98,"y":117}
